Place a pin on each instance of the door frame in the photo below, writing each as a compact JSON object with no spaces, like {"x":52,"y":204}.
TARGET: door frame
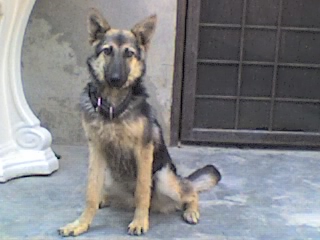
{"x":177,"y":88}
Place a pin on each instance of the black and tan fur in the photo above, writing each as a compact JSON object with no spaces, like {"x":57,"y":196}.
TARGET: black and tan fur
{"x":129,"y":164}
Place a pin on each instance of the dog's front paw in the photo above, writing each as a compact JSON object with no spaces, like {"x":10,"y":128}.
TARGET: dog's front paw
{"x":138,"y":226}
{"x":191,"y":216}
{"x":74,"y":229}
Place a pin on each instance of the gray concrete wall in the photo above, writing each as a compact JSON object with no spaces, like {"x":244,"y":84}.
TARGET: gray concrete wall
{"x":55,"y":51}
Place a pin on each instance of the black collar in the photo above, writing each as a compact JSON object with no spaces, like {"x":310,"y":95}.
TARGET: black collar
{"x":104,"y":107}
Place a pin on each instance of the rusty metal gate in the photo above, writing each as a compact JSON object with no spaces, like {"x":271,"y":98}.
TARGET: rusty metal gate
{"x":251,"y":72}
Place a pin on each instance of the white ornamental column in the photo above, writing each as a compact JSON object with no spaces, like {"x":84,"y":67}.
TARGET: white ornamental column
{"x":24,"y":145}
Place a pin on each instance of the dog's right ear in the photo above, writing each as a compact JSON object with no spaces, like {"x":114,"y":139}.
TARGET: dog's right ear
{"x":97,"y":26}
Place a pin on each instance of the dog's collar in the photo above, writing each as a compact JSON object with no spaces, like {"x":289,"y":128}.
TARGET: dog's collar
{"x":104,"y":107}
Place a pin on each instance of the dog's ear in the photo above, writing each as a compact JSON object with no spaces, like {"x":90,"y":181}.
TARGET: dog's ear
{"x":144,"y":30}
{"x":97,"y":26}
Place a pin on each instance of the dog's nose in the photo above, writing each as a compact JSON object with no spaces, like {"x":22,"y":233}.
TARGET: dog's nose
{"x":115,"y":78}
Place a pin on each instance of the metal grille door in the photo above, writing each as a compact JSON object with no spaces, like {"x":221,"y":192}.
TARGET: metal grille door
{"x":252,"y":72}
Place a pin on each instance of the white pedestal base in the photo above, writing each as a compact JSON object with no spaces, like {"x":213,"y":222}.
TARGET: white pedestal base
{"x":24,"y":145}
{"x":27,"y":162}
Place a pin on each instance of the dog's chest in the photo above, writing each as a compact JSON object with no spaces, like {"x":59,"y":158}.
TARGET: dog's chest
{"x":121,"y":162}
{"x":119,"y":142}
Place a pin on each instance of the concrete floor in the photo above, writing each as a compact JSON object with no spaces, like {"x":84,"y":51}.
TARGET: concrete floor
{"x":263,"y":195}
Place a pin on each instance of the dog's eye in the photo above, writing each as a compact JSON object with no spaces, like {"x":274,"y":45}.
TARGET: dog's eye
{"x":108,"y":50}
{"x":128,"y":53}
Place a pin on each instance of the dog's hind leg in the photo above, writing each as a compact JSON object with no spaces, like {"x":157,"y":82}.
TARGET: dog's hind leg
{"x":200,"y":180}
{"x":190,"y":201}
{"x":183,"y":191}
{"x":97,"y":165}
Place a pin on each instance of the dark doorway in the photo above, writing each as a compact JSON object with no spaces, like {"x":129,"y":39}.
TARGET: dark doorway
{"x":251,"y":72}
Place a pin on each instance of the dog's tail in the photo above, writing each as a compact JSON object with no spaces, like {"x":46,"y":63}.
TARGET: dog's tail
{"x":205,"y":178}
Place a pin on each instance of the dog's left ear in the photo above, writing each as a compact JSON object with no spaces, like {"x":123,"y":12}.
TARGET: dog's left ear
{"x":144,"y":30}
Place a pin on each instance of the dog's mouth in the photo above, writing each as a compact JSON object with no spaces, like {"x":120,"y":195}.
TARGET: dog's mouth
{"x":116,"y":84}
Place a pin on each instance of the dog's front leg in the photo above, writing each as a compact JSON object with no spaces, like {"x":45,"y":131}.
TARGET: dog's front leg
{"x":97,"y":165}
{"x":140,"y":223}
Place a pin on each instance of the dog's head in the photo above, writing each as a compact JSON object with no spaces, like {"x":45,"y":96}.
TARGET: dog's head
{"x":119,"y":55}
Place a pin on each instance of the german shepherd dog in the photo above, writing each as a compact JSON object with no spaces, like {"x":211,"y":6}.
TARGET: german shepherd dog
{"x":129,"y":163}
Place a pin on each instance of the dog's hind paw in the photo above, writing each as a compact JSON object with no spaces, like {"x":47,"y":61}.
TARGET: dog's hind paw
{"x":104,"y":205}
{"x":104,"y":201}
{"x":73,"y":229}
{"x":191,"y":216}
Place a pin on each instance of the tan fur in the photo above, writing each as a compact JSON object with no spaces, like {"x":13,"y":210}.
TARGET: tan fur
{"x":122,"y":168}
{"x":135,"y":70}
{"x":98,"y":66}
{"x":115,"y":96}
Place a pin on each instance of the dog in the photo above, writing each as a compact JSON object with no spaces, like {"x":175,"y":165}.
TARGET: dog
{"x":129,"y":164}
